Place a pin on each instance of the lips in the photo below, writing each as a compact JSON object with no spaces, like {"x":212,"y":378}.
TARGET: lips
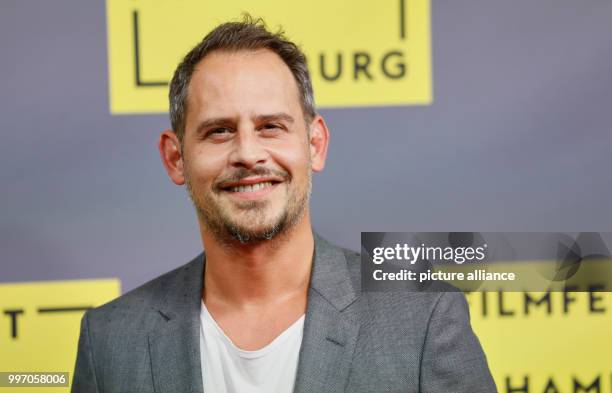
{"x":250,"y":184}
{"x":250,"y":187}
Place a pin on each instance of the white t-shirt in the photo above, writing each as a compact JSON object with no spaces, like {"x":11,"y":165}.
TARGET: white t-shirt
{"x":229,"y":369}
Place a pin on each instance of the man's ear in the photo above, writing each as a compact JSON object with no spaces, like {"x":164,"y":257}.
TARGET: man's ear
{"x":172,"y":156}
{"x":319,"y":140}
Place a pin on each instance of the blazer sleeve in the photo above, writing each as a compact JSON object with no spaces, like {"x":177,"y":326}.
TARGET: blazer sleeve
{"x":84,"y":378}
{"x":453,"y":360}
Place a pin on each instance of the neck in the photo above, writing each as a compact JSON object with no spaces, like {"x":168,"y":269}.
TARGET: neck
{"x":265,"y":272}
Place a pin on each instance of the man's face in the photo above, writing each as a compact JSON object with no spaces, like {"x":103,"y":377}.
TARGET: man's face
{"x":246,"y":153}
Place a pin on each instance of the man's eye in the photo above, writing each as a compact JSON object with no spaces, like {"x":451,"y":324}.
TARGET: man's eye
{"x":219,"y":131}
{"x":271,"y":128}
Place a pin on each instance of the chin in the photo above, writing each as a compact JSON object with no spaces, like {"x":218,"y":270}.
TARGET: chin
{"x":255,"y":233}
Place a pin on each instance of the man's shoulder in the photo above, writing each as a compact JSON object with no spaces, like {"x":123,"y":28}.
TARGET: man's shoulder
{"x":428,"y":331}
{"x":149,"y":295}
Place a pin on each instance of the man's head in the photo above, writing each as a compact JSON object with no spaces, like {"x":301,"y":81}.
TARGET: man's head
{"x":248,"y":35}
{"x":245,"y":133}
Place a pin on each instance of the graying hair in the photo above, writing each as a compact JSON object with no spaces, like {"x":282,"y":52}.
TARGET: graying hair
{"x":249,"y":34}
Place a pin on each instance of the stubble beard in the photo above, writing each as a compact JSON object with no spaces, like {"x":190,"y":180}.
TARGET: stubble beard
{"x":222,"y":221}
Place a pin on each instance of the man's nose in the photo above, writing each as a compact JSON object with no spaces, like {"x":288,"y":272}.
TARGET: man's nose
{"x":248,"y":150}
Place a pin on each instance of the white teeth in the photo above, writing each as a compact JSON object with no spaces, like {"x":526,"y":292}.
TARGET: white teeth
{"x":252,"y":187}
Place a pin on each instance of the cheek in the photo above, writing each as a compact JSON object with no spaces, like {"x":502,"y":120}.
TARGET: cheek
{"x":204,"y":166}
{"x":293,"y":158}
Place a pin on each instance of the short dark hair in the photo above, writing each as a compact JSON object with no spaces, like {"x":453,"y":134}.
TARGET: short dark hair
{"x":249,"y":34}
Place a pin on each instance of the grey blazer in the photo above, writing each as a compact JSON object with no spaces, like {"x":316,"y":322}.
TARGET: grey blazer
{"x":148,"y":339}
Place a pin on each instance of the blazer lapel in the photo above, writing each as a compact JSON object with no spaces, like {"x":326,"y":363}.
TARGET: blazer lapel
{"x":330,"y":334}
{"x":174,"y":343}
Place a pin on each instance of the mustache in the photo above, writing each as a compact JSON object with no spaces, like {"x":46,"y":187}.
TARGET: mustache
{"x":242,"y":173}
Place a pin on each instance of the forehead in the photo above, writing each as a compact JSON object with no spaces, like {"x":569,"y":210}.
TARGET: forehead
{"x":241,"y":83}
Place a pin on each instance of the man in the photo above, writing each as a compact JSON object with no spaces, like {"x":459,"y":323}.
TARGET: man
{"x":271,"y":306}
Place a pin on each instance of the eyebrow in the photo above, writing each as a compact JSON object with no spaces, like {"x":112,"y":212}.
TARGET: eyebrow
{"x":224,"y":121}
{"x":275,"y":116}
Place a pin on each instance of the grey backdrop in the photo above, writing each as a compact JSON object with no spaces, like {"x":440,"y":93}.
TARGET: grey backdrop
{"x":519,"y":138}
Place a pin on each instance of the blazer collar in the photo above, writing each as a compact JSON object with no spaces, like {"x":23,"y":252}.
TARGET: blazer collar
{"x":174,"y":343}
{"x":330,"y":327}
{"x":330,"y":275}
{"x":329,"y":336}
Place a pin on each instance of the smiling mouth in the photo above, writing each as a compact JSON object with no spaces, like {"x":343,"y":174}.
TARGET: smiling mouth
{"x":251,"y":189}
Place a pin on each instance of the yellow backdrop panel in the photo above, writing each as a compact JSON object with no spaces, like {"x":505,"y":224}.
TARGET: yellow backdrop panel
{"x":539,"y":343}
{"x":359,"y":52}
{"x":41,"y":322}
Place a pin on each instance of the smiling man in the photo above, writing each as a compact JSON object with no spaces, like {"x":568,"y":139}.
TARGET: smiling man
{"x":269,"y":306}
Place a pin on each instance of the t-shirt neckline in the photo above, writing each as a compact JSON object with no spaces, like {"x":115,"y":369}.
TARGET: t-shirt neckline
{"x":206,"y":316}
